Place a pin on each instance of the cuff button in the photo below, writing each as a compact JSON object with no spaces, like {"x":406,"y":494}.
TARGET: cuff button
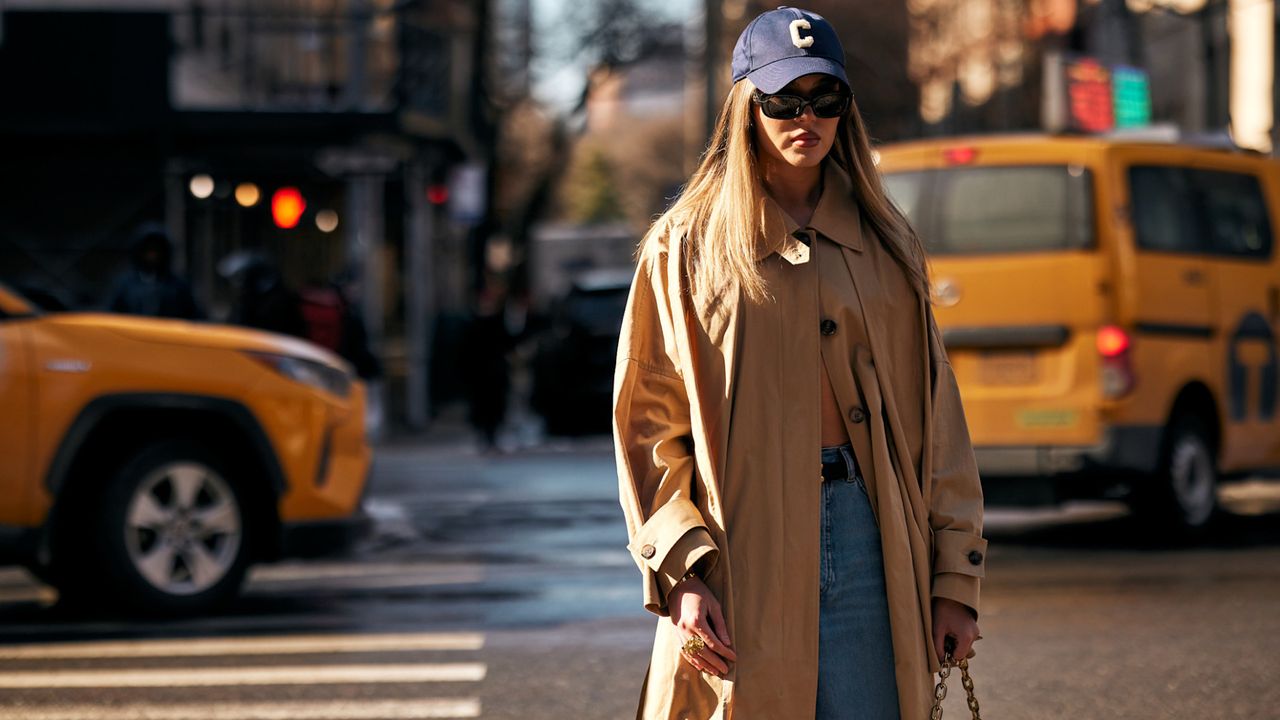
{"x":648,"y":551}
{"x":975,"y":558}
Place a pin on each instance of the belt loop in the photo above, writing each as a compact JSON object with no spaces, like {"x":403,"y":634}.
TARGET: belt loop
{"x":843,"y":465}
{"x":851,"y":461}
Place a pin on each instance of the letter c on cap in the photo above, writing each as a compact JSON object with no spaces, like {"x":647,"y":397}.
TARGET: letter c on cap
{"x":796,"y":27}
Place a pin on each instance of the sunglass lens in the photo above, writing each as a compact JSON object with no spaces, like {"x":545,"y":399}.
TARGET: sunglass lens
{"x":829,"y":106}
{"x":781,"y":107}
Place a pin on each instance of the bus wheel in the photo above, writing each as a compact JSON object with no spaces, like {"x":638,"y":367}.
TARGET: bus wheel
{"x":1182,"y":496}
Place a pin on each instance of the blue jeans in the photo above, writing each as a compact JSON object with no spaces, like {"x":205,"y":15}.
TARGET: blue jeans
{"x":855,"y":648}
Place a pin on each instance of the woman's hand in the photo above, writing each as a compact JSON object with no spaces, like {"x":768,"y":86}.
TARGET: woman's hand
{"x":954,"y":619}
{"x":696,"y":612}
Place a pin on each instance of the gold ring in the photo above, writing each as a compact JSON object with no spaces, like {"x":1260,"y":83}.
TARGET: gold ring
{"x":693,"y":646}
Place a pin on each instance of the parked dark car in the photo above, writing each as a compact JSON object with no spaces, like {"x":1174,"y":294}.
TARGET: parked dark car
{"x":573,"y":367}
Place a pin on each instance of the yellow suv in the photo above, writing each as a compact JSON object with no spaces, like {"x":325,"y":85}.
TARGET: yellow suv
{"x":1109,"y":305}
{"x":150,"y":462}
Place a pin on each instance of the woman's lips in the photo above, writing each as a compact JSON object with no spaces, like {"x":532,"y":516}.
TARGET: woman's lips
{"x":806,"y":140}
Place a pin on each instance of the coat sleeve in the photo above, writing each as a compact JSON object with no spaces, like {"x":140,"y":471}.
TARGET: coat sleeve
{"x":955,"y":504}
{"x":653,"y":443}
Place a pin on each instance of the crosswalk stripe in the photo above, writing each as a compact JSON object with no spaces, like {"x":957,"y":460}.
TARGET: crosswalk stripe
{"x":360,"y":582}
{"x":285,"y":572}
{"x":331,"y":710}
{"x":208,"y":677}
{"x":34,"y":593}
{"x":14,"y":576}
{"x":255,"y":645}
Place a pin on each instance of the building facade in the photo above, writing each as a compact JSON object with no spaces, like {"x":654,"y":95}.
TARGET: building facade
{"x":197,"y":114}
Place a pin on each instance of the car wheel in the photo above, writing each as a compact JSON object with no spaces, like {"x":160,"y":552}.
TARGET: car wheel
{"x":173,"y":533}
{"x":1182,"y":496}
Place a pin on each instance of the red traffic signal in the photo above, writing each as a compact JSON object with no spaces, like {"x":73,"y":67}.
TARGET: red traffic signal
{"x":438,"y":194}
{"x":287,"y":206}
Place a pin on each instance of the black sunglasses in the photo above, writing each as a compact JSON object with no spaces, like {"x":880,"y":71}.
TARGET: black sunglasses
{"x":790,"y":107}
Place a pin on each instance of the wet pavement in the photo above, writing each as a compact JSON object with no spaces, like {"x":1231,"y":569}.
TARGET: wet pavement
{"x":500,"y":587}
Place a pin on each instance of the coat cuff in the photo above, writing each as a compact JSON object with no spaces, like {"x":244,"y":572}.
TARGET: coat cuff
{"x":956,"y":551}
{"x":667,"y":545}
{"x":961,"y":588}
{"x":688,"y":551}
{"x":959,"y":563}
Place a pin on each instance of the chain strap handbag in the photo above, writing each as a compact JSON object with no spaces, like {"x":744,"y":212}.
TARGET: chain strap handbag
{"x":940,"y":691}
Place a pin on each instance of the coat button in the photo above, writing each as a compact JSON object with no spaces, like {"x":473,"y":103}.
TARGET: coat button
{"x":975,"y":558}
{"x":648,"y":551}
{"x":828,"y":327}
{"x":857,"y":415}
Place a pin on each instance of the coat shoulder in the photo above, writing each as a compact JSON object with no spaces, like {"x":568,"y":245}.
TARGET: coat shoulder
{"x":664,"y":240}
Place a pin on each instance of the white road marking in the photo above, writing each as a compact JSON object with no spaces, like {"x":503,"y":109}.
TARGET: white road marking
{"x":331,"y":710}
{"x":209,"y":677}
{"x":285,"y":572}
{"x":461,"y":577}
{"x":1017,"y":518}
{"x":1250,"y":497}
{"x":18,"y":586}
{"x":34,"y":593}
{"x":11,"y":576}
{"x":221,"y":624}
{"x":259,"y":645}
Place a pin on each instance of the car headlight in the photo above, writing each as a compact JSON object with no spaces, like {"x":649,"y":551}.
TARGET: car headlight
{"x":307,"y":372}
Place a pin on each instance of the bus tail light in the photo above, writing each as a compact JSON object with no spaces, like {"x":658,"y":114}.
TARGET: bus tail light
{"x":960,"y":155}
{"x":1117,"y":367}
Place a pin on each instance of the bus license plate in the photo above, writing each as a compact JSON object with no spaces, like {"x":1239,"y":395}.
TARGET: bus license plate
{"x":1008,"y":368}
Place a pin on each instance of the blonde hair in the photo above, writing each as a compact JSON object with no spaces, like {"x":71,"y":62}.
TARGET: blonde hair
{"x":721,"y":211}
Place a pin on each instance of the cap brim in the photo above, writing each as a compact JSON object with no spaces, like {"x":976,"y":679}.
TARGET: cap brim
{"x":776,"y":75}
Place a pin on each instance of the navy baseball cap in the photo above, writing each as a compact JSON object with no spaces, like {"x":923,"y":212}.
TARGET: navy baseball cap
{"x":784,"y":44}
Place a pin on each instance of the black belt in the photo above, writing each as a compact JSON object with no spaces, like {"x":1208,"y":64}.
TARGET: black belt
{"x":840,"y":469}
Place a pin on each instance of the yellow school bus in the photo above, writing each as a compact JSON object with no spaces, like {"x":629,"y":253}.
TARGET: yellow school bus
{"x":1109,"y":305}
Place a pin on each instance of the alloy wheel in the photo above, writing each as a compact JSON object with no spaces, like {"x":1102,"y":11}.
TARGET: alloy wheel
{"x":183,"y":528}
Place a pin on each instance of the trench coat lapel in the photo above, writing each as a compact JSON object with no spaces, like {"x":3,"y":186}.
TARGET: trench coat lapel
{"x":836,"y":217}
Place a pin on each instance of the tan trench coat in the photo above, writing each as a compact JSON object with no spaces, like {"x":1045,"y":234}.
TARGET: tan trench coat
{"x":677,"y":379}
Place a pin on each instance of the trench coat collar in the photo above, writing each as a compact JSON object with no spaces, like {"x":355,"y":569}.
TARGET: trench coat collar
{"x":836,"y":218}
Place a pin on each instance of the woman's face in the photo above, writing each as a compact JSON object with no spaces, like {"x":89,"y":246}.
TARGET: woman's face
{"x":802,"y":141}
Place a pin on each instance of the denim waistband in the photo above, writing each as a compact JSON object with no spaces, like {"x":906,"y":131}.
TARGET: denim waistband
{"x":839,"y":463}
{"x":831,"y":454}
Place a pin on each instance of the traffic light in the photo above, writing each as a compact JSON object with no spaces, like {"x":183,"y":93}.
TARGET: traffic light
{"x":438,"y":193}
{"x":287,"y":206}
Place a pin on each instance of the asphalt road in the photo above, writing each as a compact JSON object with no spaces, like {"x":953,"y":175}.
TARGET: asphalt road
{"x":499,"y":587}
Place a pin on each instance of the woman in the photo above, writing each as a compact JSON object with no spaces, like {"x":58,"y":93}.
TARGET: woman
{"x":795,"y":469}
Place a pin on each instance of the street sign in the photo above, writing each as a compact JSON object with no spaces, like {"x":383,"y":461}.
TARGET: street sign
{"x":344,"y":161}
{"x":1131,"y":93}
{"x":1092,"y":97}
{"x":467,"y":193}
{"x":1089,"y":101}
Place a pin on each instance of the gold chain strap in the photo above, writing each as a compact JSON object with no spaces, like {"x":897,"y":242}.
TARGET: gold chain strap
{"x":940,"y":691}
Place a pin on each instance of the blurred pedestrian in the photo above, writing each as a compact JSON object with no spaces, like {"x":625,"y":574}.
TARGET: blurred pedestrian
{"x":263,"y":299}
{"x":150,"y":287}
{"x":333,"y":322}
{"x":795,"y":469}
{"x":486,"y":343}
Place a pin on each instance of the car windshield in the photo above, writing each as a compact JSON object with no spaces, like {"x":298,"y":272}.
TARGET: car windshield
{"x":971,"y":210}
